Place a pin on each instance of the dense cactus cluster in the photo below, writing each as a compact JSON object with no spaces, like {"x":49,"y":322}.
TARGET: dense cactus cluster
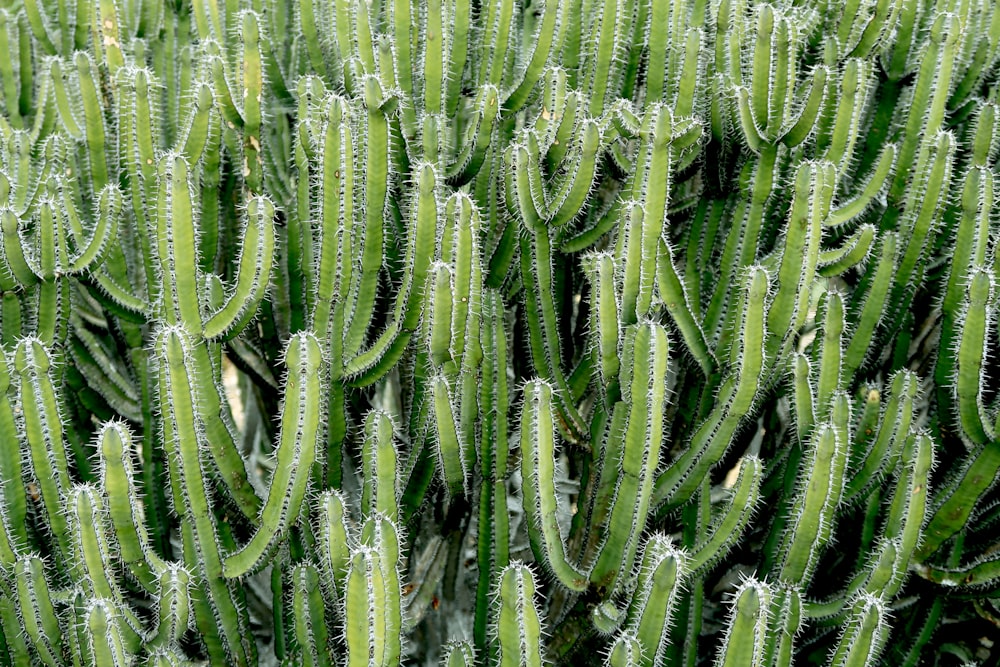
{"x":480,"y":332}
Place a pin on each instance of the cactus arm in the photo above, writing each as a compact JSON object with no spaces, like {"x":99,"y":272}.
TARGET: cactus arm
{"x":94,"y":122}
{"x":811,"y":523}
{"x":450,"y":451}
{"x":109,"y":207}
{"x":370,"y":365}
{"x":177,"y":248}
{"x":969,"y":250}
{"x":256,"y":257}
{"x":333,"y":541}
{"x":13,"y":498}
{"x":829,"y":380}
{"x":469,"y":161}
{"x":494,"y":520}
{"x":538,"y":473}
{"x":44,"y":434}
{"x":785,"y":623}
{"x":650,"y":614}
{"x":712,"y":437}
{"x":837,"y":140}
{"x":604,"y":321}
{"x":61,"y":98}
{"x":871,"y":311}
{"x":930,"y":94}
{"x":806,"y":121}
{"x":365,"y":631}
{"x":376,"y":187}
{"x":196,"y":130}
{"x":647,"y":348}
{"x":976,"y":321}
{"x":108,"y":34}
{"x":14,"y":262}
{"x":751,"y":131}
{"x":892,"y":431}
{"x":600,"y":75}
{"x":125,"y":507}
{"x":548,"y":34}
{"x":37,"y":20}
{"x":907,"y":512}
{"x":174,"y":609}
{"x":798,"y":257}
{"x":875,"y":183}
{"x":936,"y":157}
{"x":537,"y":275}
{"x":955,"y":501}
{"x":295,"y":455}
{"x":494,"y":43}
{"x":852,"y":252}
{"x":728,"y":529}
{"x":379,"y":467}
{"x":92,"y":559}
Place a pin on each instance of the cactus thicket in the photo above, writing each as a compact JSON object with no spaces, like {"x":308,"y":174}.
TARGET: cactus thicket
{"x":646,"y":333}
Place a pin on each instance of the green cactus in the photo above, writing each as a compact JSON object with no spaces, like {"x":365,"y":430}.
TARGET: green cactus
{"x":627,"y":332}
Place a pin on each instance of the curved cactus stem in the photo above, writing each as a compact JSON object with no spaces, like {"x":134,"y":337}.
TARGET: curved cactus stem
{"x":680,"y":480}
{"x":643,"y":382}
{"x":811,"y":524}
{"x":892,"y":431}
{"x":873,"y":186}
{"x":976,"y":321}
{"x":109,"y":209}
{"x":854,"y":251}
{"x":538,"y":478}
{"x":477,"y":140}
{"x":13,"y":260}
{"x":254,"y":268}
{"x":728,"y":528}
{"x":662,"y":570}
{"x":547,"y":39}
{"x":369,"y":366}
{"x":125,"y":507}
{"x":871,"y":311}
{"x":296,"y":452}
{"x":805,"y":124}
{"x":675,"y":296}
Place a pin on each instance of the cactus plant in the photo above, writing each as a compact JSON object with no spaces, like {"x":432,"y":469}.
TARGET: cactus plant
{"x":381,"y":332}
